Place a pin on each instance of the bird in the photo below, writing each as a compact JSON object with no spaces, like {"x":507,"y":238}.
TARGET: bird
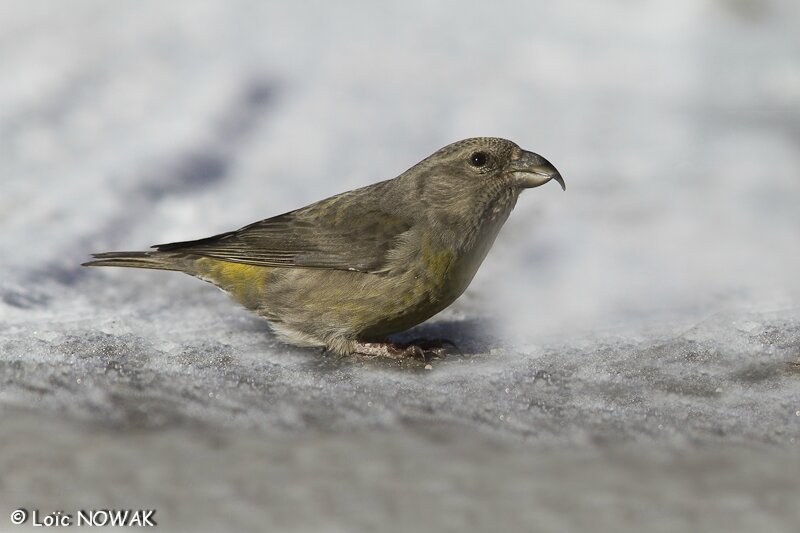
{"x":346,"y":272}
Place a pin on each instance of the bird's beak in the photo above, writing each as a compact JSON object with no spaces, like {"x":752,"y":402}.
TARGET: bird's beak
{"x":531,"y":170}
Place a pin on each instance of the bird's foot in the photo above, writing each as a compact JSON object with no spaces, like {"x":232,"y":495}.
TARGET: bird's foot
{"x":423,"y":349}
{"x":435,"y":347}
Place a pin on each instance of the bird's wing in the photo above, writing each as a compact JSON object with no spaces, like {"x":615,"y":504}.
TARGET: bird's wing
{"x":352,"y":238}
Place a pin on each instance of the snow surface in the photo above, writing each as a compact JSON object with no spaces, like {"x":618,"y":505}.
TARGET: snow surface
{"x":631,"y":349}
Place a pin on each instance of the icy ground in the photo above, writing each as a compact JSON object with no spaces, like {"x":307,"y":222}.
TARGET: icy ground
{"x":631,"y":348}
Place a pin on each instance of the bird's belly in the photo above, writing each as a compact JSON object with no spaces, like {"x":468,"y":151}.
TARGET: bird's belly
{"x":365,"y":306}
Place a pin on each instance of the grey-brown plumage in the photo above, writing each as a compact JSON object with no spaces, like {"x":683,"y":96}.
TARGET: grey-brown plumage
{"x":347,"y":271}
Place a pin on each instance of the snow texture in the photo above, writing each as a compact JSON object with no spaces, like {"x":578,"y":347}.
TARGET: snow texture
{"x":631,"y":348}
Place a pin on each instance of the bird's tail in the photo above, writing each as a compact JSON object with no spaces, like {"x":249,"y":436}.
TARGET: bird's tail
{"x":154,"y":260}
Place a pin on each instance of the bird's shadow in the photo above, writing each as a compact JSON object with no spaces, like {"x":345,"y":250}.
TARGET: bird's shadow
{"x":470,"y":337}
{"x":462,"y":339}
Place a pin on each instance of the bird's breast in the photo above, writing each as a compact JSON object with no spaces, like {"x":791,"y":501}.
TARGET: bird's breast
{"x":453,"y":260}
{"x":446,"y":269}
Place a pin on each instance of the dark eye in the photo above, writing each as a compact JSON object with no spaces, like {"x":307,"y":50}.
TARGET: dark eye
{"x":478,"y":159}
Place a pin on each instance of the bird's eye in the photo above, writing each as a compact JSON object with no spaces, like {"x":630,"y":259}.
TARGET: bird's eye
{"x":478,"y":159}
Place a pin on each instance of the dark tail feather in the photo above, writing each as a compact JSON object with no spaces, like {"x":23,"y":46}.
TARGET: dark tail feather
{"x":155,"y":260}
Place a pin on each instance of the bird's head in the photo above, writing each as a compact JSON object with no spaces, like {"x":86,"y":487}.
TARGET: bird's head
{"x":476,"y":181}
{"x":492,"y":159}
{"x":489,"y":162}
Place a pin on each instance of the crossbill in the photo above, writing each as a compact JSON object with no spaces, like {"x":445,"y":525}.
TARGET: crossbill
{"x":345,"y":272}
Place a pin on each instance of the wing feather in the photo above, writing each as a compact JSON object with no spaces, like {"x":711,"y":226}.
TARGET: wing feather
{"x":329,"y":234}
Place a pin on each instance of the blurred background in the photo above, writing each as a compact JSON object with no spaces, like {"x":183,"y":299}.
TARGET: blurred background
{"x":630,"y":346}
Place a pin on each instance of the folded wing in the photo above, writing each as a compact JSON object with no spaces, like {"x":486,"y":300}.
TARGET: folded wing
{"x":322,"y":235}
